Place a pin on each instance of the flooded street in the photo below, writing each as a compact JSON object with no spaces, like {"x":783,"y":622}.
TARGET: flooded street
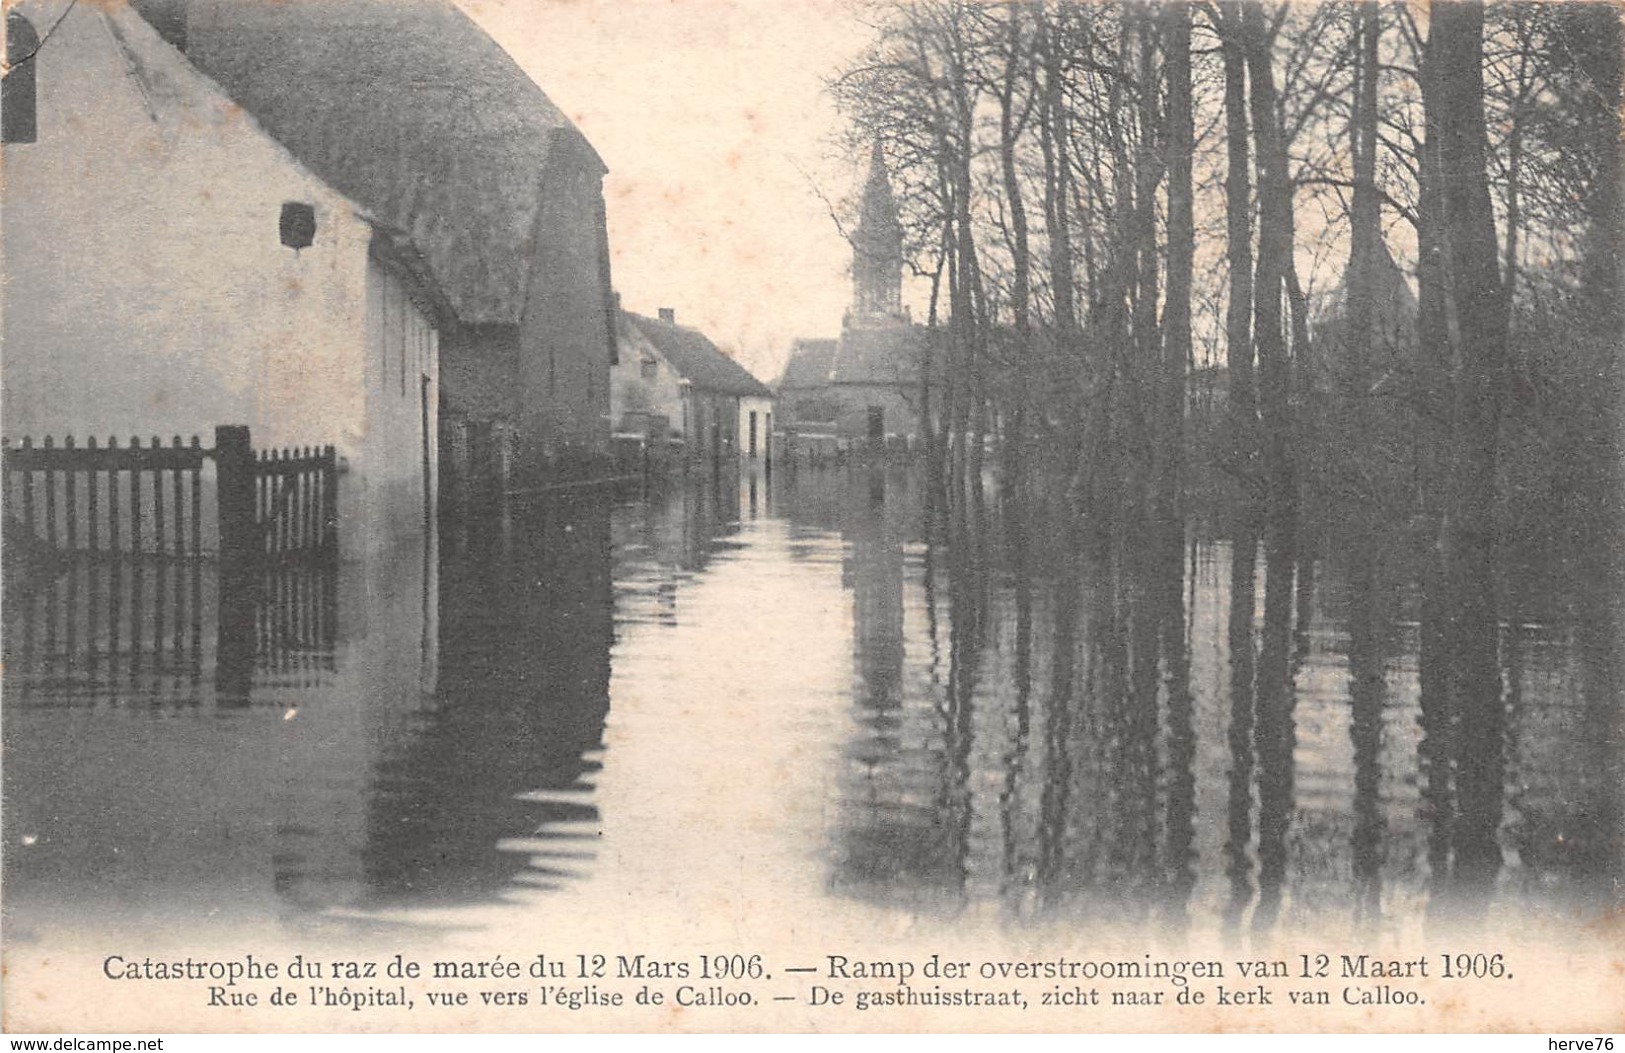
{"x":747,"y":697}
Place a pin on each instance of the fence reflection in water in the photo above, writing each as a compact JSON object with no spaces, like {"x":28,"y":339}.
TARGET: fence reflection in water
{"x":162,"y":629}
{"x":117,"y":556}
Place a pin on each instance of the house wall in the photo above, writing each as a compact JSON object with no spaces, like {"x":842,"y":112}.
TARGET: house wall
{"x":147,"y":290}
{"x":763,"y":409}
{"x":806,"y":409}
{"x":853,"y":401}
{"x":479,"y":408}
{"x":401,"y":443}
{"x":566,"y":341}
{"x":712,"y":431}
{"x":643,"y":387}
{"x":478,"y":365}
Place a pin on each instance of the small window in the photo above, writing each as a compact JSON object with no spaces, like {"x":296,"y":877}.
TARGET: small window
{"x":297,"y":226}
{"x":649,"y":368}
{"x":18,"y":114}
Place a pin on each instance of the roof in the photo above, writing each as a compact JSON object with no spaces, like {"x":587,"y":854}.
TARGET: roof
{"x":697,"y":359}
{"x":809,"y":365}
{"x":879,"y":235}
{"x":878,"y":354}
{"x":412,"y":111}
{"x":1393,"y":304}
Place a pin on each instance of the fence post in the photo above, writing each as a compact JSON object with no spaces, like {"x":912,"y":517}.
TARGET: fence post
{"x":234,"y":480}
{"x":240,"y":552}
{"x":330,"y":502}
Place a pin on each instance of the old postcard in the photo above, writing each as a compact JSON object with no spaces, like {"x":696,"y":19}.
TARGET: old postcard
{"x":747,"y":516}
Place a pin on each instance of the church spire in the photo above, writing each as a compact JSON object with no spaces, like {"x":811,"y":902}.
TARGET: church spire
{"x":877,"y":248}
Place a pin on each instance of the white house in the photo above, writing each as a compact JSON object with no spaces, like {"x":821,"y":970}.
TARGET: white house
{"x":169,"y":267}
{"x":756,"y":427}
{"x":646,"y":391}
{"x":671,"y":381}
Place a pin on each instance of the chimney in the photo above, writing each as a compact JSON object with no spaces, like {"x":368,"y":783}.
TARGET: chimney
{"x":668,"y":315}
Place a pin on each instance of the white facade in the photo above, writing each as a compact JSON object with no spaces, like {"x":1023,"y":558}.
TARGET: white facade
{"x":401,"y":418}
{"x":148,"y":290}
{"x":646,"y":395}
{"x":755,"y":428}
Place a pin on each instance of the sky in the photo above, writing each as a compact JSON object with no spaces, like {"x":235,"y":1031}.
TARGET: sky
{"x":721,"y":145}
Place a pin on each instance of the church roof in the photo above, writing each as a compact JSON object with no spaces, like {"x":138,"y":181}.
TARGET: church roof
{"x":1393,"y":306}
{"x":879,"y":235}
{"x":411,"y":110}
{"x":809,"y":365}
{"x":696,"y":359}
{"x":878,"y":354}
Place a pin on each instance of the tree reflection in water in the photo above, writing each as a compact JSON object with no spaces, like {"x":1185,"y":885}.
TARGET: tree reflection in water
{"x":1134,"y":722}
{"x":1059,"y":728}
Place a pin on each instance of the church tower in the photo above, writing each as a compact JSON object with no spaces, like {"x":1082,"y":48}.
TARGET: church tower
{"x":877,"y":249}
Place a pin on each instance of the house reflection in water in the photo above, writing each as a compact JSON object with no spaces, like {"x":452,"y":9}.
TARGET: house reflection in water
{"x":491,"y":784}
{"x":205,"y":778}
{"x":434,"y":727}
{"x":969,"y":713}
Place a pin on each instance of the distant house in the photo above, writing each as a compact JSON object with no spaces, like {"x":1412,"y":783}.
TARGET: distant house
{"x":672,"y":383}
{"x":875,"y":381}
{"x":756,"y":424}
{"x":864,"y":388}
{"x":645,"y":390}
{"x":805,"y":405}
{"x":411,"y":110}
{"x":171,"y":266}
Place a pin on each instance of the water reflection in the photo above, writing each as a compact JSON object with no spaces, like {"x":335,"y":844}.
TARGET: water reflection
{"x":1367,"y":621}
{"x":1274,"y":728}
{"x":1240,"y":616}
{"x":904,"y":783}
{"x":1185,"y":727}
{"x":1243,"y":730}
{"x":312,"y":742}
{"x":490,"y":783}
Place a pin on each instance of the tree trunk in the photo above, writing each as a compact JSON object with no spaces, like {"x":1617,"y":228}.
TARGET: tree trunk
{"x":1242,"y":399}
{"x":1274,"y":248}
{"x":1365,"y":221}
{"x":1054,"y":141}
{"x":1014,"y":453}
{"x":1453,"y":85}
{"x":1176,"y":318}
{"x":1147,"y":334}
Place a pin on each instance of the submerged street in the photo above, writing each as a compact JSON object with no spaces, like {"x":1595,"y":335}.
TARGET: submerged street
{"x":802,"y":509}
{"x":772,"y":695}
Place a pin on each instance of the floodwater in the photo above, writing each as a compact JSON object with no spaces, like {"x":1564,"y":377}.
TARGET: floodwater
{"x":798,"y":692}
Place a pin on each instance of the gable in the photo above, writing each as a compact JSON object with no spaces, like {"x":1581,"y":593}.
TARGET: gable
{"x":410,"y":109}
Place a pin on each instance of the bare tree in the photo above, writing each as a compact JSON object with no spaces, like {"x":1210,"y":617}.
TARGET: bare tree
{"x":1453,"y":86}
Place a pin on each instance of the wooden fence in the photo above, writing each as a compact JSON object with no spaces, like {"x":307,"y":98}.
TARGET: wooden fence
{"x":108,"y":547}
{"x":104,"y":499}
{"x":296,"y":501}
{"x":132,"y":500}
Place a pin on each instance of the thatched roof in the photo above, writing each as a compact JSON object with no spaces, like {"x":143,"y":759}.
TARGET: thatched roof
{"x":697,"y":360}
{"x":809,"y":365}
{"x":409,"y":109}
